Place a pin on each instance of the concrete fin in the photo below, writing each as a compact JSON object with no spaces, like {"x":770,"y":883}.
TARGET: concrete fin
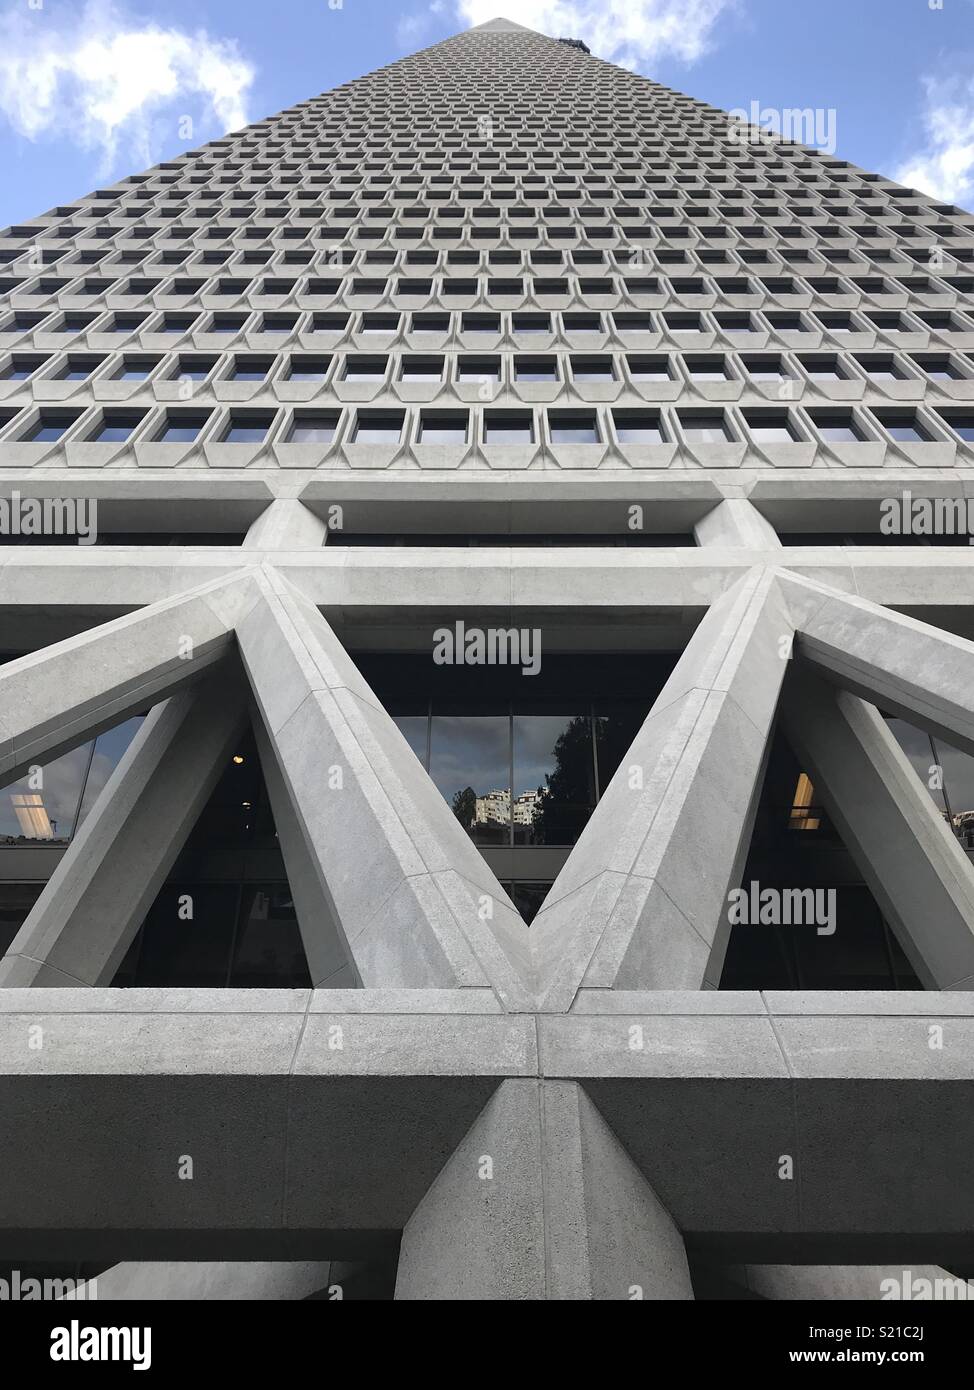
{"x":395,"y":877}
{"x":637,"y":906}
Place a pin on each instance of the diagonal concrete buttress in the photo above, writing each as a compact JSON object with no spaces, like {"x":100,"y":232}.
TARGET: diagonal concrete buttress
{"x":905,"y":851}
{"x":904,"y":666}
{"x":82,"y":924}
{"x":329,"y":960}
{"x":641,"y":901}
{"x":55,"y":698}
{"x":413,"y":900}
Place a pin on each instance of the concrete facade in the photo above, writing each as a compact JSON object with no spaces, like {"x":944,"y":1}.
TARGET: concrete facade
{"x":543,"y":297}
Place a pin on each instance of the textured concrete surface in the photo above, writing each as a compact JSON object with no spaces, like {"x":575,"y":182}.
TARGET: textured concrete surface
{"x":636,"y":906}
{"x":630,"y":1109}
{"x":305,"y":1149}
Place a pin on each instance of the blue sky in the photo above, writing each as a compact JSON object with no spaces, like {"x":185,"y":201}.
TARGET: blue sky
{"x":91,"y":90}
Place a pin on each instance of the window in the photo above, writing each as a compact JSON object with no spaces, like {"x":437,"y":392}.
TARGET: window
{"x":378,"y":427}
{"x":478,"y":369}
{"x":48,"y":809}
{"x":788,"y":323}
{"x":79,"y":368}
{"x":683,"y":323}
{"x":170,"y":323}
{"x":442,"y":428}
{"x":115,"y":427}
{"x":734,"y":323}
{"x":194,"y":368}
{"x":836,"y":426}
{"x":938,"y":368}
{"x":181,"y":427}
{"x":49,"y":426}
{"x":532,"y":323}
{"x":573,"y":427}
{"x":707,"y":369}
{"x":961,"y":422}
{"x":769,"y":426}
{"x":535,"y":369}
{"x":638,"y":427}
{"x":308,"y":368}
{"x":837,"y":323}
{"x":592,"y":368}
{"x":422,"y":369}
{"x":508,"y":427}
{"x":246,"y":429}
{"x":380,"y":323}
{"x":880,"y":368}
{"x":434,"y":323}
{"x":329,"y":323}
{"x":904,"y":426}
{"x":250,"y":368}
{"x":520,"y":760}
{"x":822,"y":368}
{"x":765,"y":368}
{"x":480,"y":323}
{"x":704,"y":428}
{"x":365,"y":368}
{"x":581,"y":323}
{"x":277,"y":323}
{"x":21,"y":367}
{"x":243,"y":933}
{"x":649,"y":368}
{"x":317,"y":427}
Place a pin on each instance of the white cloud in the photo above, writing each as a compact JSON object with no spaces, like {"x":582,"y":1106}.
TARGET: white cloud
{"x":413,"y":29}
{"x":109,"y":82}
{"x":943,"y":167}
{"x":632,"y":33}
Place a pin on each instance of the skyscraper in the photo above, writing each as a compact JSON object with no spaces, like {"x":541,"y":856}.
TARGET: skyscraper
{"x":486,"y":794}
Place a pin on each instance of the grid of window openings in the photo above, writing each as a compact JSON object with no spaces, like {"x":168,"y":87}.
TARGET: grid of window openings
{"x":497,"y":244}
{"x":500,"y":253}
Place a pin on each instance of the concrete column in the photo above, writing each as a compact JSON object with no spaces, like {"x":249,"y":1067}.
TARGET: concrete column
{"x":390,"y":865}
{"x":913,"y":864}
{"x":541,"y":1202}
{"x":641,"y":901}
{"x":736,"y":522}
{"x":85,"y":919}
{"x":286,"y":525}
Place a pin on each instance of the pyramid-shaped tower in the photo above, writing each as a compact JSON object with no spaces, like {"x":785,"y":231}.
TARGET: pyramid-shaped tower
{"x":490,"y":799}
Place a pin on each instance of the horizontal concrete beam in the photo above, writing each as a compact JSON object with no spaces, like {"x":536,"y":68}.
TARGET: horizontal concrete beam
{"x":368,"y":1092}
{"x":506,"y":579}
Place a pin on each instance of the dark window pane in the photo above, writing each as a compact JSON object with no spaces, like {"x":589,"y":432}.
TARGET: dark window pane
{"x":268,"y":952}
{"x":470,"y":763}
{"x":554,"y":777}
{"x":189,"y":950}
{"x":16,"y":901}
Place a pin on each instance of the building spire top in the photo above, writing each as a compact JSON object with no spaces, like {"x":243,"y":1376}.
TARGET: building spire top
{"x":500,"y":26}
